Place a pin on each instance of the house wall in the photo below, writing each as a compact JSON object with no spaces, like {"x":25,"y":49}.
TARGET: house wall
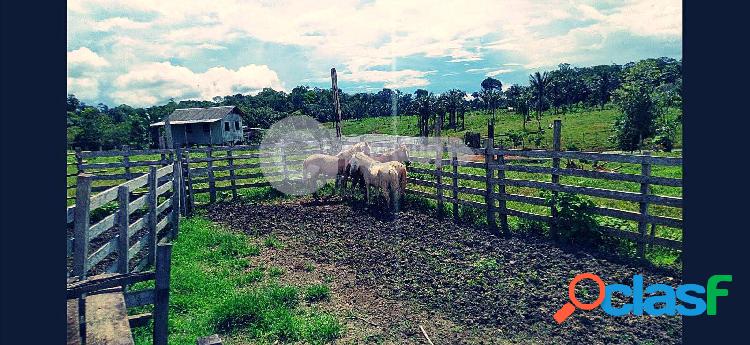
{"x":233,"y":134}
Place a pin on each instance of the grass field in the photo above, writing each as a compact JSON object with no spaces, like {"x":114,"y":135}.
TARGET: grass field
{"x":587,"y":130}
{"x":216,"y":288}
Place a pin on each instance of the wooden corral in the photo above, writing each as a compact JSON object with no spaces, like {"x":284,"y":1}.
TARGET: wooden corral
{"x":118,"y":250}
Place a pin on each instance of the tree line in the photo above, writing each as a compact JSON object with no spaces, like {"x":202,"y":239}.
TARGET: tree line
{"x":642,"y":90}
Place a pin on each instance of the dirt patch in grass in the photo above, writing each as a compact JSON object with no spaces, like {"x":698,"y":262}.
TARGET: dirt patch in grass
{"x":463,"y":285}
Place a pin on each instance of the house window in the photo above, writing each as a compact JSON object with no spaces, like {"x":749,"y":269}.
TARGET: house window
{"x":206,"y":127}
{"x":237,"y":125}
{"x":188,"y":128}
{"x":226,"y":126}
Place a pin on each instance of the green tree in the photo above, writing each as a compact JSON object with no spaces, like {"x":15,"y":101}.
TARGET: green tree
{"x":539,"y":83}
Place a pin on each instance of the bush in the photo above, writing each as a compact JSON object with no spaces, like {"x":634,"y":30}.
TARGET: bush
{"x":575,"y":222}
{"x":318,"y":292}
{"x":472,"y":139}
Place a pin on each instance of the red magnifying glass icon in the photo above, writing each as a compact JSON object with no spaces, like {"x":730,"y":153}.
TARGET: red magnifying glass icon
{"x":568,"y":309}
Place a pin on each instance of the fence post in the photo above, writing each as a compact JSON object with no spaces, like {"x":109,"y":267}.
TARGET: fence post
{"x":152,"y":200}
{"x":555,"y":177}
{"x":501,"y":193}
{"x":189,"y":183}
{"x":123,"y":199}
{"x":489,"y":197}
{"x":284,"y":166}
{"x":439,"y":177}
{"x":126,"y":161}
{"x":81,"y":224}
{"x":643,"y":205}
{"x":211,"y":180}
{"x":161,"y":300}
{"x":79,"y":160}
{"x":181,"y":185}
{"x":454,"y":166}
{"x":176,"y":192}
{"x":231,"y":173}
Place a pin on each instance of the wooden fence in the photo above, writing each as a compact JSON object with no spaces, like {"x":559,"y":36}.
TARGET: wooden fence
{"x":109,"y":168}
{"x":497,"y":182}
{"x":133,"y":220}
{"x":438,"y":178}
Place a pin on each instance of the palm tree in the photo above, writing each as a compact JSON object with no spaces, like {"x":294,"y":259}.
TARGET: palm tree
{"x":539,"y":84}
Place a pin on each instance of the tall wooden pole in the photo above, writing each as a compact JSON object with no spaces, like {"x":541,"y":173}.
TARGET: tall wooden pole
{"x":336,"y":102}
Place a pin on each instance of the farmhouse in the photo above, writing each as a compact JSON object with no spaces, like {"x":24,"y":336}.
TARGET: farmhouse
{"x":202,"y":126}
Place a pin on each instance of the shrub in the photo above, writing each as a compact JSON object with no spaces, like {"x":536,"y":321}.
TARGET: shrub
{"x":273,"y":242}
{"x":317,"y":292}
{"x":575,"y":221}
{"x":472,"y":139}
{"x":275,"y":271}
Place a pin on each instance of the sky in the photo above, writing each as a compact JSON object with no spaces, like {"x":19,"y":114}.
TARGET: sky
{"x":143,"y":53}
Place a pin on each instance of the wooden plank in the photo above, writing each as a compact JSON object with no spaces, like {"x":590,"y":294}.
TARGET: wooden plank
{"x":105,"y":281}
{"x":163,"y":223}
{"x":211,"y":182}
{"x":138,"y":246}
{"x":439,"y":176}
{"x":597,"y":192}
{"x":115,"y":153}
{"x":489,"y":159}
{"x":593,"y":156}
{"x":174,"y":216}
{"x":161,"y":302}
{"x":81,"y":225}
{"x":454,"y":182}
{"x":421,"y":193}
{"x":420,"y":182}
{"x":556,"y":146}
{"x":102,"y":226}
{"x":102,"y":252}
{"x":123,"y":226}
{"x":164,"y":171}
{"x":232,"y":177}
{"x":165,"y":187}
{"x":139,"y":298}
{"x":70,"y":213}
{"x":73,"y":323}
{"x":137,"y":225}
{"x":530,"y":216}
{"x":152,"y":217}
{"x":502,"y":205}
{"x":139,"y":320}
{"x":643,"y":207}
{"x":110,"y":194}
{"x":471,"y":177}
{"x":163,"y":206}
{"x":107,"y":320}
{"x":532,"y":200}
{"x":137,"y":204}
{"x":241,"y":186}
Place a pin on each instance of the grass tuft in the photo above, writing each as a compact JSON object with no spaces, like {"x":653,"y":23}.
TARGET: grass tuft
{"x":317,"y":292}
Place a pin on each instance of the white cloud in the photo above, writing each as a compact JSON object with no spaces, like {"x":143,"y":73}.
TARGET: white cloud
{"x":153,"y":82}
{"x":498,"y":72}
{"x":83,"y":87}
{"x":118,"y":23}
{"x":84,"y":56}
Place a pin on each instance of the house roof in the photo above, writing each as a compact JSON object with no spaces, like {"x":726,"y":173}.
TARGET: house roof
{"x":198,"y":115}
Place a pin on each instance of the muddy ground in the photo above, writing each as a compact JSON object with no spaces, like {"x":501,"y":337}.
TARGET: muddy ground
{"x":463,"y":285}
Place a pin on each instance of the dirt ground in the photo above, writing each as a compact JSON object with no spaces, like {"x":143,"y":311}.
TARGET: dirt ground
{"x":463,"y":285}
